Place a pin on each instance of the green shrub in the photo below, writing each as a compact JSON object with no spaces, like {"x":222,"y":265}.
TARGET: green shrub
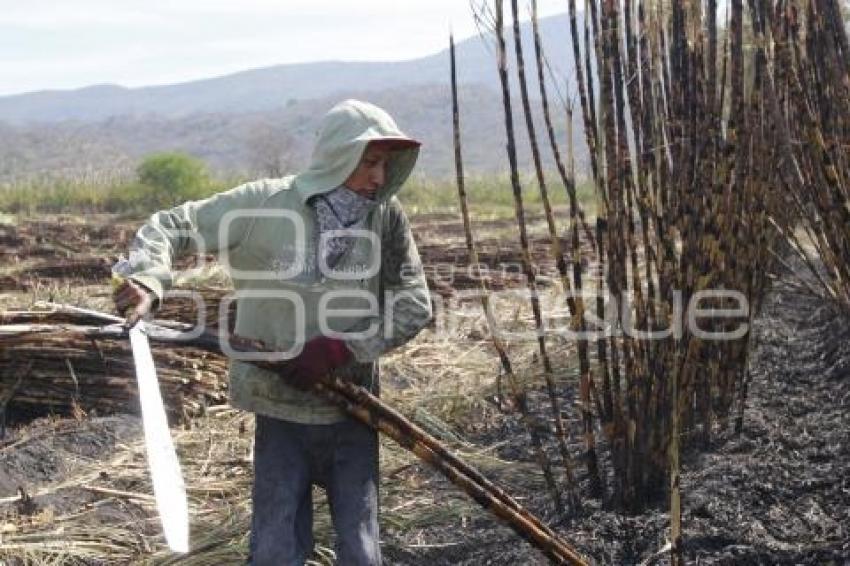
{"x":167,"y":179}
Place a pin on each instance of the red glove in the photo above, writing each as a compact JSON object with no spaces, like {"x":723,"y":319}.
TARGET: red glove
{"x":320,"y":356}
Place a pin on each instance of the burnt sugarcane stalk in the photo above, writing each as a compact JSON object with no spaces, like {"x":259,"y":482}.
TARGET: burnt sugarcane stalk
{"x":627,"y":254}
{"x":360,"y":404}
{"x":576,"y":211}
{"x":517,"y":390}
{"x":596,"y":486}
{"x":528,"y":269}
{"x":588,"y":118}
{"x":373,"y":411}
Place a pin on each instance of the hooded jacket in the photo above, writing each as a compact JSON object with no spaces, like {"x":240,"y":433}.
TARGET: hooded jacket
{"x":266,"y":235}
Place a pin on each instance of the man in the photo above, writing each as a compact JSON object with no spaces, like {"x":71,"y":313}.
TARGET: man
{"x":323,"y":259}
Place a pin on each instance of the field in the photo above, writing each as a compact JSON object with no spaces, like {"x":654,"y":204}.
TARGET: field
{"x":74,"y":487}
{"x":649,"y":351}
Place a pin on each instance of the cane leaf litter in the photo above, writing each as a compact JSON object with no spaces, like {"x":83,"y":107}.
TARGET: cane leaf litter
{"x":717,"y":160}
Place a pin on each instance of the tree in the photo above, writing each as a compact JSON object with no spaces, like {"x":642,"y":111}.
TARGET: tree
{"x":270,"y":150}
{"x":170,"y":178}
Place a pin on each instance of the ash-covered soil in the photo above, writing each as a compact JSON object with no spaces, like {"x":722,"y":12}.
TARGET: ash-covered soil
{"x":777,"y":493}
{"x":50,"y":463}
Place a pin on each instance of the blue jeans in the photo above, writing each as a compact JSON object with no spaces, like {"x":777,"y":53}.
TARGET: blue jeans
{"x":288,"y":459}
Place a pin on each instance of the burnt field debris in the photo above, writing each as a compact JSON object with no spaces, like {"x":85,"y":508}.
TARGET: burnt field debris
{"x":702,"y":192}
{"x":658,"y":375}
{"x":797,"y":386}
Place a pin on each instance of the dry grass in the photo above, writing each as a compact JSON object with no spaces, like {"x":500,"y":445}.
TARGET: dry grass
{"x":443,"y":381}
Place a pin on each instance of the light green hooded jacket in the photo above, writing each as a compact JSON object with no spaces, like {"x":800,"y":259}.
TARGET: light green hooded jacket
{"x":279,"y":290}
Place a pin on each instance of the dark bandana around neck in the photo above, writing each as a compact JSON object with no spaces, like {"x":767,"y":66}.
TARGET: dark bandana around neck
{"x":340,"y":209}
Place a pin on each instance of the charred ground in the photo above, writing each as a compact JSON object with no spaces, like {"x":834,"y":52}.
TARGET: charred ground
{"x":775,"y":493}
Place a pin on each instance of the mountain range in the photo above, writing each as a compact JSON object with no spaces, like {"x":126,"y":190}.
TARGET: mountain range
{"x":240,"y":124}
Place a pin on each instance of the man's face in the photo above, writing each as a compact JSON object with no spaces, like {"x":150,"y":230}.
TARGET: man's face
{"x":371,"y":172}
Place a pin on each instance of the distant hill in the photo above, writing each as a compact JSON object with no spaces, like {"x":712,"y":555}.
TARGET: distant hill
{"x":227,"y":120}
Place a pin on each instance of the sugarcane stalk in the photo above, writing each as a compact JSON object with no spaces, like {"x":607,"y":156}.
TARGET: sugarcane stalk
{"x":675,"y":479}
{"x":568,"y":179}
{"x":528,"y":270}
{"x":588,"y":117}
{"x":423,"y":445}
{"x":557,"y":253}
{"x":577,"y":214}
{"x":517,"y":390}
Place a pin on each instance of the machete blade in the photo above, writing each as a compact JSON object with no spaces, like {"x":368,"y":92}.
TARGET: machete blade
{"x":167,"y":479}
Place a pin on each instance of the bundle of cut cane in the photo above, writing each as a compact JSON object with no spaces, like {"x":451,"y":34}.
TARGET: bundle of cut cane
{"x":58,"y":369}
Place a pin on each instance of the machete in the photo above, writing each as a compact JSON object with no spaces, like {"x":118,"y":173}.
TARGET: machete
{"x":166,"y":477}
{"x":168,"y":487}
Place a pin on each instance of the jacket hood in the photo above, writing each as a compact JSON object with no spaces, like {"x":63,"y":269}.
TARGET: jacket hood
{"x":344,"y":133}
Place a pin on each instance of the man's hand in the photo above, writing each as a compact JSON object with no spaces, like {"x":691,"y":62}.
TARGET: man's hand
{"x":320,"y":356}
{"x":133,"y":299}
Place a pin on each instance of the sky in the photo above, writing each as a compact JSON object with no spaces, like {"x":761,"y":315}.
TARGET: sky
{"x":74,"y":43}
